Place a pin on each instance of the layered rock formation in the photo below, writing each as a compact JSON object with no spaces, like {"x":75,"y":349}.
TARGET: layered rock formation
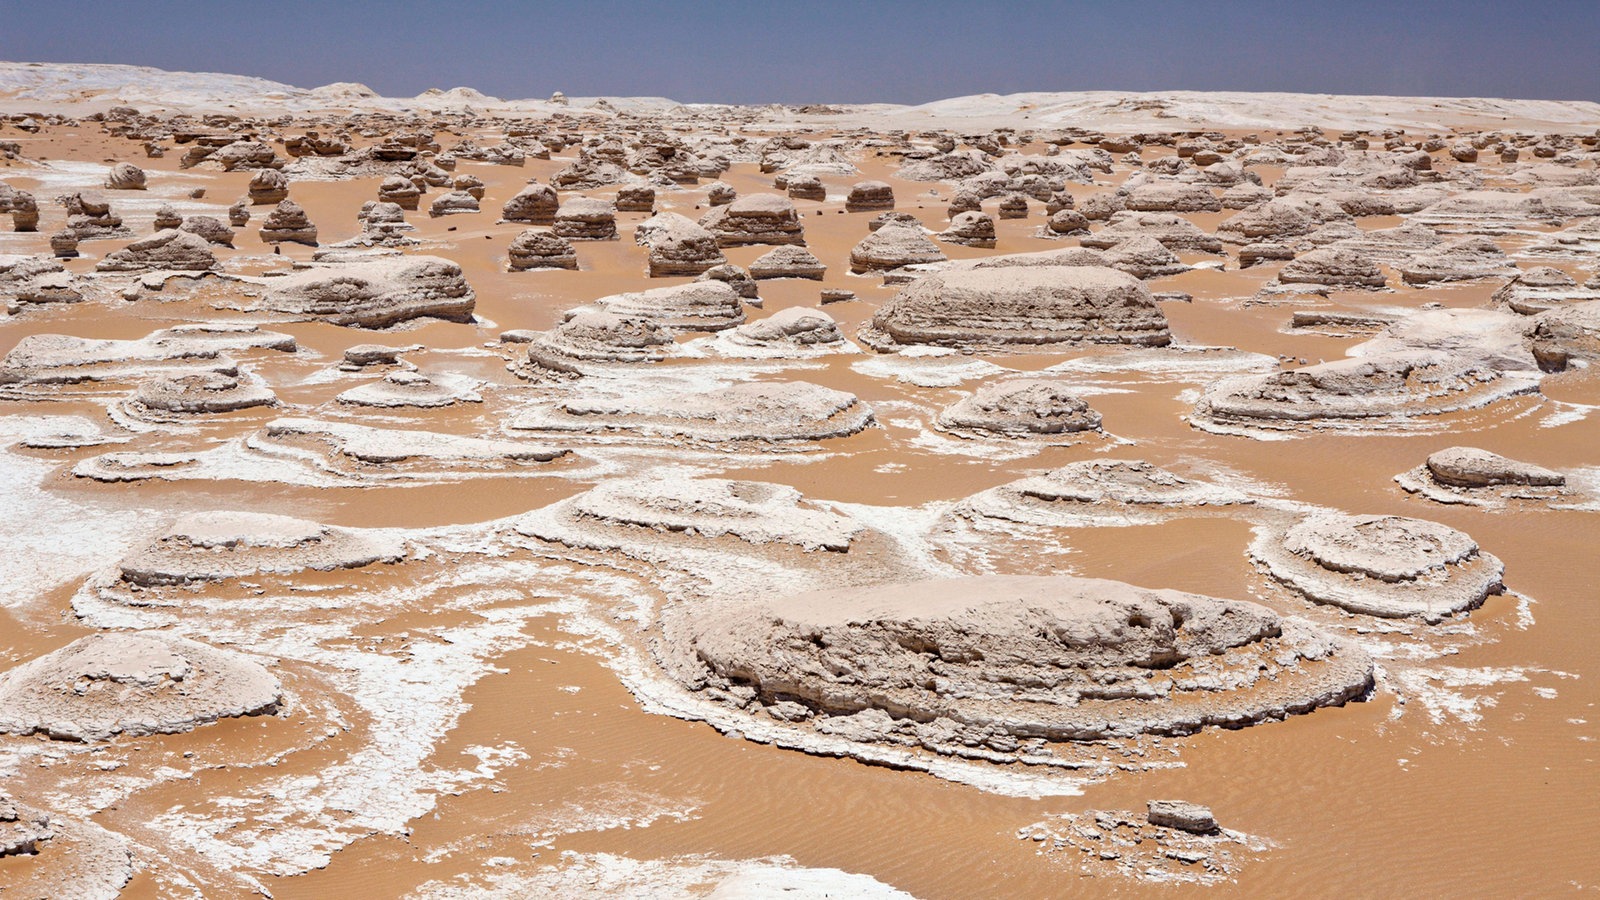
{"x":376,"y":293}
{"x":762,"y":412}
{"x":533,"y":249}
{"x":1020,"y":407}
{"x":755,"y":219}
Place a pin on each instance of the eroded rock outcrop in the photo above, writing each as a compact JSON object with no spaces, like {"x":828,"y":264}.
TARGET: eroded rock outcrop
{"x":755,"y":219}
{"x":678,"y":246}
{"x":696,"y":306}
{"x":761,"y":412}
{"x":534,"y":249}
{"x":133,"y":684}
{"x":992,"y":661}
{"x":170,"y":249}
{"x":288,"y":223}
{"x":789,"y":261}
{"x":1389,"y":566}
{"x":216,"y":546}
{"x":586,"y":219}
{"x":376,"y":293}
{"x":1020,"y":407}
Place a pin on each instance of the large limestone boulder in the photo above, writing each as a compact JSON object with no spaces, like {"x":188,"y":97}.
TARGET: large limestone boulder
{"x":376,"y":293}
{"x":1021,"y":307}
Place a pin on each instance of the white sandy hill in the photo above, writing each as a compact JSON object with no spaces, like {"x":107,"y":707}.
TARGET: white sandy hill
{"x":1169,"y":110}
{"x":42,"y":87}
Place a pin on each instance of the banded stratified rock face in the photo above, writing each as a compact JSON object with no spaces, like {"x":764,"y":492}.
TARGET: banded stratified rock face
{"x":169,"y":249}
{"x":377,"y":293}
{"x":678,"y":246}
{"x":763,"y":411}
{"x":636,"y":198}
{"x":1173,"y":232}
{"x":586,"y":219}
{"x":453,"y":203}
{"x":593,"y":335}
{"x":135,"y":684}
{"x":1170,"y":196}
{"x":948,"y":662}
{"x":1389,"y":566}
{"x":1022,"y":306}
{"x":1470,"y":467}
{"x":288,"y":223}
{"x":541,"y":250}
{"x":400,"y":191}
{"x":867,"y":196}
{"x":1021,"y":407}
{"x":1459,"y":260}
{"x":1143,"y":256}
{"x":1100,"y":491}
{"x":755,"y":219}
{"x":24,"y":212}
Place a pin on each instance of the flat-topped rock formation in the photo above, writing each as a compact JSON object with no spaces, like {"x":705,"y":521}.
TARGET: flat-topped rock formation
{"x":678,"y":246}
{"x":970,"y":229}
{"x":696,"y":306}
{"x":586,"y":219}
{"x":203,"y":393}
{"x":789,"y":261}
{"x":417,"y":390}
{"x":132,"y":684}
{"x":1021,"y":308}
{"x":1103,"y":492}
{"x":869,"y":196}
{"x":533,"y":249}
{"x":992,"y":661}
{"x":894,"y":246}
{"x":54,"y":359}
{"x":168,"y":249}
{"x":622,"y":512}
{"x":288,"y":223}
{"x":376,"y":292}
{"x":1172,"y":231}
{"x":773,"y":412}
{"x":593,"y":335}
{"x":755,"y":219}
{"x":1475,"y":477}
{"x":1388,"y":566}
{"x":217,"y":546}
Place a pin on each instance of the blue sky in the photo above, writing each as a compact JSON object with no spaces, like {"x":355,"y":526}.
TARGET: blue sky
{"x":904,"y":52}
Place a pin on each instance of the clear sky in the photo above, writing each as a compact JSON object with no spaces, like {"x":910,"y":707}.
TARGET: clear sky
{"x":906,"y":52}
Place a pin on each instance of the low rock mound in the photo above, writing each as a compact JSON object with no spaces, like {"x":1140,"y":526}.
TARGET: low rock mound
{"x":868,"y":196}
{"x":894,"y":246}
{"x":214,"y":230}
{"x":135,"y":684}
{"x":767,"y":412}
{"x":169,"y":249}
{"x":586,"y":219}
{"x":795,"y":326}
{"x":1544,"y":288}
{"x":1143,"y":256}
{"x":1474,"y":477}
{"x":403,"y":193}
{"x":789,"y":261}
{"x":696,"y":306}
{"x":45,"y":359}
{"x":216,"y":546}
{"x":1101,"y":490}
{"x":203,"y":393}
{"x":970,"y":229}
{"x":1388,"y":566}
{"x":1333,"y":268}
{"x":1021,"y":307}
{"x":452,"y":204}
{"x":1173,"y":232}
{"x":1459,"y":260}
{"x":595,"y":336}
{"x":376,"y":293}
{"x":414,"y":389}
{"x":992,"y":661}
{"x":621,"y":511}
{"x":1020,"y":407}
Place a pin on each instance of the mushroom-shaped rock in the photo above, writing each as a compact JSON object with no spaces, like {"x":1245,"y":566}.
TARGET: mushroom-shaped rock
{"x":678,"y":246}
{"x":755,"y":219}
{"x":170,"y":249}
{"x":696,"y":306}
{"x":268,"y":187}
{"x":287,"y":223}
{"x":586,"y":219}
{"x":953,"y":663}
{"x":214,"y":230}
{"x":215,"y":546}
{"x":970,"y":229}
{"x":789,"y":261}
{"x":453,"y":203}
{"x":376,"y":293}
{"x":134,"y":684}
{"x":126,"y":177}
{"x":763,"y":411}
{"x":892,"y":247}
{"x":1021,"y":307}
{"x":1020,"y":407}
{"x":399,"y":190}
{"x":1389,"y":566}
{"x":869,"y":196}
{"x":167,"y":217}
{"x":534,"y":249}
